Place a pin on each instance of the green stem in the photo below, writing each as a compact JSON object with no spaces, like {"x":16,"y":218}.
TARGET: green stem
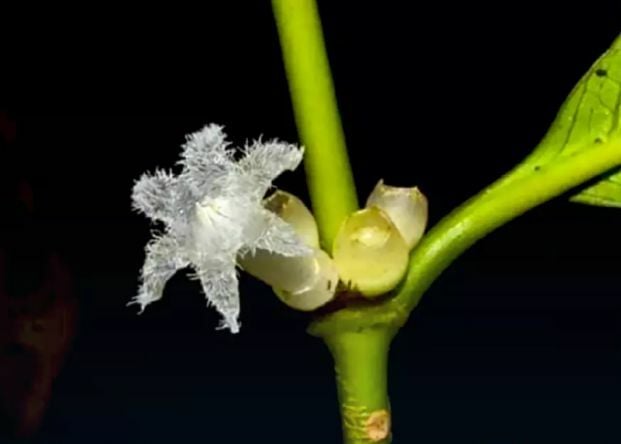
{"x":360,"y":361}
{"x":328,"y":172}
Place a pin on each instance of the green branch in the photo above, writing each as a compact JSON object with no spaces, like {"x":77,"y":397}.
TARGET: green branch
{"x":329,"y":177}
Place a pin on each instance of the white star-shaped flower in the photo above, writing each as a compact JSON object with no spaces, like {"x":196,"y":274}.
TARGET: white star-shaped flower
{"x":213,"y":213}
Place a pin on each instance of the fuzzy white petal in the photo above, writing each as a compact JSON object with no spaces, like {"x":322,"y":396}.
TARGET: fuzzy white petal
{"x":263,"y":162}
{"x":154,"y":195}
{"x":222,"y":291}
{"x":162,"y":261}
{"x":206,"y":159}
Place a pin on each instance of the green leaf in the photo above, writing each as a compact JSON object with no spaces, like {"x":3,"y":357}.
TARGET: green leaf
{"x":590,"y":116}
{"x":605,"y":193}
{"x":603,"y":85}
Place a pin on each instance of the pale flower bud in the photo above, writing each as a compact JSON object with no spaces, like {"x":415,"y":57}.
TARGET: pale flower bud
{"x":318,"y":292}
{"x":406,"y":207}
{"x":293,"y":211}
{"x":302,"y":282}
{"x":370,"y":253}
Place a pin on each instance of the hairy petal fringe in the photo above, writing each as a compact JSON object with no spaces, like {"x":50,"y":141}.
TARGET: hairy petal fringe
{"x":206,"y":159}
{"x":155,"y":195}
{"x":222,"y":291}
{"x":163,"y":259}
{"x":263,"y":162}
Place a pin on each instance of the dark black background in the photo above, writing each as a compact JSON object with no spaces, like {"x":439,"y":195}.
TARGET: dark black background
{"x":519,"y":341}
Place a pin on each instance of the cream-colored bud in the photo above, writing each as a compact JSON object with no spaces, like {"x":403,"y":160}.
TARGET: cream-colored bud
{"x":370,"y":254}
{"x":318,"y":292}
{"x":406,"y":207}
{"x":293,"y":211}
{"x":302,"y":282}
{"x":290,"y":273}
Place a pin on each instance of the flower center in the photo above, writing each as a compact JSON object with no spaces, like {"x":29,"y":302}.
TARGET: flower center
{"x":217,"y":226}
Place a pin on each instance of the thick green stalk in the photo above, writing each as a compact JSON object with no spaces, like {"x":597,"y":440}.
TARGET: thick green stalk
{"x":328,"y":173}
{"x":360,"y":362}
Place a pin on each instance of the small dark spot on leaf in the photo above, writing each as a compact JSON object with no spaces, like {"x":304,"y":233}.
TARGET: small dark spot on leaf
{"x":329,"y":285}
{"x":537,"y":167}
{"x":598,"y":140}
{"x":601,"y":72}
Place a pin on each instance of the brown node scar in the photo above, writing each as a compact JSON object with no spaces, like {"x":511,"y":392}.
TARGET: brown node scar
{"x":377,"y":425}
